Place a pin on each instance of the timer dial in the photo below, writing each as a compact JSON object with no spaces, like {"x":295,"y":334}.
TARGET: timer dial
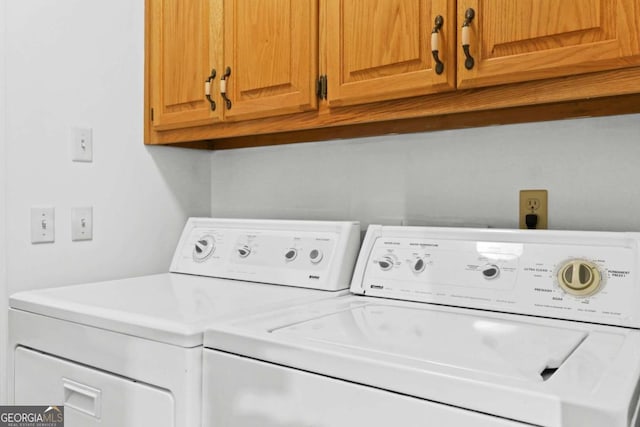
{"x":203,"y":248}
{"x":579,"y":277}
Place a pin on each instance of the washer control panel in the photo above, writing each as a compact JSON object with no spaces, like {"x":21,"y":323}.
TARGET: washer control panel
{"x":313,"y":254}
{"x":588,"y":276}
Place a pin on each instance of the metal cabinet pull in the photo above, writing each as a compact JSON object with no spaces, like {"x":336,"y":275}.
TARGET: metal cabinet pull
{"x":466,"y":37}
{"x":207,"y":89}
{"x":223,"y":87}
{"x":435,"y":43}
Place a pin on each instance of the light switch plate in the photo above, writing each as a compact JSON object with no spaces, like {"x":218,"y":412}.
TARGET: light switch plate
{"x":82,"y":144}
{"x":82,"y":223}
{"x":43,"y":224}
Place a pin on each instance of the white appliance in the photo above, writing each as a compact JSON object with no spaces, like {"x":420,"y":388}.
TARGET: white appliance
{"x":128,"y":353}
{"x":445,"y":327}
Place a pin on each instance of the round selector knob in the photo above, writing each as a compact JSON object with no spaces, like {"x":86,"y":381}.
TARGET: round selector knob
{"x":203,"y":248}
{"x":579,"y":277}
{"x":418,"y":265}
{"x":290,"y":254}
{"x":244,"y":251}
{"x":490,"y":271}
{"x":315,"y":256}
{"x":386,"y":263}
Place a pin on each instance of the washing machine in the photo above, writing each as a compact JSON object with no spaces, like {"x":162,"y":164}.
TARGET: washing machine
{"x":445,"y":327}
{"x":128,"y":353}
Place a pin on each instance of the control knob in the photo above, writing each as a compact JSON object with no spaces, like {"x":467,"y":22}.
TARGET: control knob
{"x":203,"y":248}
{"x":490,"y":271}
{"x":244,"y":251}
{"x":290,"y":254}
{"x":579,"y":277}
{"x":418,"y":265}
{"x":315,"y":256}
{"x":386,"y":262}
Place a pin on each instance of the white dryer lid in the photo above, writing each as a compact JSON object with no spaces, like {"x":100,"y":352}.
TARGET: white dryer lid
{"x":171,"y":308}
{"x":538,"y":371}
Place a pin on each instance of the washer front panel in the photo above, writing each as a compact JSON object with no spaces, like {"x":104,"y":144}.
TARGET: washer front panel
{"x":507,"y":271}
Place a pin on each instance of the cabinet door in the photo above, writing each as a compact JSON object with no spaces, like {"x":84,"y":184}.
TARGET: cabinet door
{"x":272,"y":50}
{"x":381,"y":49}
{"x":184,"y":46}
{"x":514,"y":41}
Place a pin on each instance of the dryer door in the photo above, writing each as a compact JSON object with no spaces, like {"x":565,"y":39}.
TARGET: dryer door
{"x":90,"y":397}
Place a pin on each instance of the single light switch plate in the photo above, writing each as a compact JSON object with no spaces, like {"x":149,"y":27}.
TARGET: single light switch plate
{"x":43,"y":225}
{"x":82,"y":144}
{"x":82,"y":223}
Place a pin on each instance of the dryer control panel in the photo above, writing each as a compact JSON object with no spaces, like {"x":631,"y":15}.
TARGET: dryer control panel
{"x":310,"y":254}
{"x":588,"y":276}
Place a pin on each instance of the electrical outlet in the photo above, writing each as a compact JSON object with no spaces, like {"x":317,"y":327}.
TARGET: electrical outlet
{"x":533,"y":202}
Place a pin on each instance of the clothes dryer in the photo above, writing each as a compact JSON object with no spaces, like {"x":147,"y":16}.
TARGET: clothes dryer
{"x":128,"y":353}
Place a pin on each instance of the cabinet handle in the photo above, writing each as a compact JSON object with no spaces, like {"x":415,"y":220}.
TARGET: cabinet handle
{"x":223,"y":87}
{"x":466,"y":37}
{"x":207,"y":89}
{"x":435,"y":43}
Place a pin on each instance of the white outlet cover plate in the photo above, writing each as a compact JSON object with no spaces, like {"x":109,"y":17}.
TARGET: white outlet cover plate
{"x":43,"y":224}
{"x":82,"y":223}
{"x":82,"y":144}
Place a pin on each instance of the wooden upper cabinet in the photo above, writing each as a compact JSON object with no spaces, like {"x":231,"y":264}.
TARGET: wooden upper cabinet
{"x":514,"y":41}
{"x":379,"y":66}
{"x":271,"y":48}
{"x":182,"y":52}
{"x":381,"y":49}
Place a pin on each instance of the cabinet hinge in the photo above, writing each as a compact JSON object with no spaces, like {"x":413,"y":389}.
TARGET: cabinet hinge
{"x":152,"y":114}
{"x":321,"y":87}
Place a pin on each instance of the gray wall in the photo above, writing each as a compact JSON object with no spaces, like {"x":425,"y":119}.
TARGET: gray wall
{"x":458,"y":177}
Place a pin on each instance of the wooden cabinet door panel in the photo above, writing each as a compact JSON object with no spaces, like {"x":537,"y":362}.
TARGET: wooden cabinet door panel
{"x":523,"y":40}
{"x":272,"y":49}
{"x":381,"y":49}
{"x":183,"y":52}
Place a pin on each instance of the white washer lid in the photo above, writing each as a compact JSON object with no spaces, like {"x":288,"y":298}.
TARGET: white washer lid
{"x":500,"y":347}
{"x":171,"y":308}
{"x":488,"y":362}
